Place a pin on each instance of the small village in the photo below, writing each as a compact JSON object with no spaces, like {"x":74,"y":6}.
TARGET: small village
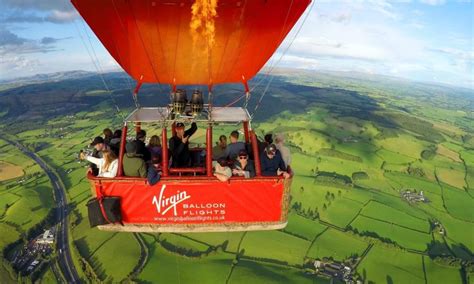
{"x":412,"y":196}
{"x":335,"y":270}
{"x":30,"y":257}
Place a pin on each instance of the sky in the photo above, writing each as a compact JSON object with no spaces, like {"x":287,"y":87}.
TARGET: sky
{"x":422,"y":40}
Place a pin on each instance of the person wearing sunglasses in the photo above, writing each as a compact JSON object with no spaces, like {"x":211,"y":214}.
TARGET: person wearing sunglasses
{"x":244,"y":167}
{"x":272,"y":162}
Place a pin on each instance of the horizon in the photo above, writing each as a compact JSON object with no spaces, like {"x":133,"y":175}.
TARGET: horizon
{"x":339,"y":74}
{"x":430,"y":40}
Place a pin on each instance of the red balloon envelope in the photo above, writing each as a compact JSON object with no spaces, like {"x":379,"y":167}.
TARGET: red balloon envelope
{"x":153,"y":40}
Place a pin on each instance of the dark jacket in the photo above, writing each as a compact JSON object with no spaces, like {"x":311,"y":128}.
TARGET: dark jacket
{"x":250,"y":168}
{"x":153,"y":175}
{"x":133,"y":166}
{"x":179,"y":150}
{"x":115,"y":145}
{"x":143,"y":150}
{"x":233,"y":149}
{"x":92,"y":166}
{"x":271,"y":166}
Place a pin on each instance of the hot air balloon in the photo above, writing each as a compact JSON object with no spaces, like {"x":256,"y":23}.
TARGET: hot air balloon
{"x":183,"y":43}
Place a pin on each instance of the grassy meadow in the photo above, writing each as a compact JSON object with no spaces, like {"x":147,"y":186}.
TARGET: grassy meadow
{"x":356,"y":146}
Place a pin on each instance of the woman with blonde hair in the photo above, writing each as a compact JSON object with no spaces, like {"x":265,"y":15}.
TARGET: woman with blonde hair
{"x":154,"y":145}
{"x":108,"y":164}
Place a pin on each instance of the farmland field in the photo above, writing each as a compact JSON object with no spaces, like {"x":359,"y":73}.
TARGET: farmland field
{"x":404,"y":237}
{"x":336,"y":244}
{"x":398,"y":266}
{"x":9,"y":171}
{"x":356,"y":146}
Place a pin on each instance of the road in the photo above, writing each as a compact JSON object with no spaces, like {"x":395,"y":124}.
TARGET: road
{"x":65,"y":261}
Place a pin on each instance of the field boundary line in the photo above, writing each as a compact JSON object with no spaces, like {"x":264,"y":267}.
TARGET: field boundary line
{"x":357,"y":201}
{"x":236,"y":258}
{"x":143,"y":260}
{"x":102,"y":244}
{"x":424,"y":268}
{"x":314,"y":240}
{"x":468,"y":186}
{"x":294,"y":235}
{"x":399,"y":210}
{"x":358,"y":213}
{"x":191,"y":239}
{"x":332,"y":226}
{"x":380,"y":220}
{"x":440,"y":184}
{"x":391,"y":196}
{"x":364,"y":254}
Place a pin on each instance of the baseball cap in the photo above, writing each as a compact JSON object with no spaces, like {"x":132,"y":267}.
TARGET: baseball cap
{"x":271,"y":149}
{"x":97,"y":140}
{"x":243,"y":153}
{"x":179,"y":125}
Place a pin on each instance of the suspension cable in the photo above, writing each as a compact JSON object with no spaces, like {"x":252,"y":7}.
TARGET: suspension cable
{"x":99,"y":69}
{"x":272,"y":66}
{"x":278,"y":61}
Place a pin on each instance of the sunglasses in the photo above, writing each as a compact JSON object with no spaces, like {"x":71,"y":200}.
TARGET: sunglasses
{"x":243,"y":157}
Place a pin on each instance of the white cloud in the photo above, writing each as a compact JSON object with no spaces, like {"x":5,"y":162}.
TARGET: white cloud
{"x":57,"y":16}
{"x":433,"y":2}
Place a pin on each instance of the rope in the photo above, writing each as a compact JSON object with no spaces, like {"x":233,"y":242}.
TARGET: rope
{"x":278,"y":61}
{"x":235,"y":101}
{"x":98,"y":68}
{"x":272,"y":66}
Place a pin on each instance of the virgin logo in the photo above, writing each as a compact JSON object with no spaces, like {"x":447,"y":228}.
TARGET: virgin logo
{"x":164,"y":204}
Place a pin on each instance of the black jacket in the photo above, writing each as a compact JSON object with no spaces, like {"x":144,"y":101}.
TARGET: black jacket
{"x":271,"y":166}
{"x":179,"y":150}
{"x":143,"y":150}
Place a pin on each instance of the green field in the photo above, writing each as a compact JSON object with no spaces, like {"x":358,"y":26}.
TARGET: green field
{"x":438,"y":273}
{"x":355,"y":146}
{"x":303,"y":227}
{"x":382,"y":212}
{"x":338,"y":245}
{"x":275,"y":245}
{"x":388,"y":265}
{"x":256,"y":272}
{"x":404,"y":237}
{"x":171,"y":267}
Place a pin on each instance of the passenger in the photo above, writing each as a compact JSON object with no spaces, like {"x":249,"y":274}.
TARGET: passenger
{"x":221,"y":170}
{"x":154,"y":170}
{"x":219,"y":150}
{"x":108,"y":165}
{"x":284,"y":151}
{"x":235,"y":146}
{"x":267,"y":140}
{"x":154,"y":146}
{"x":99,"y":146}
{"x":115,"y":141}
{"x":108,"y":135}
{"x":244,"y":167}
{"x":141,"y":147}
{"x":272,"y":163}
{"x":179,"y":145}
{"x":133,"y":165}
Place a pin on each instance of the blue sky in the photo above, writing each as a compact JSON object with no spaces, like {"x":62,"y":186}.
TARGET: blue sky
{"x":424,"y":40}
